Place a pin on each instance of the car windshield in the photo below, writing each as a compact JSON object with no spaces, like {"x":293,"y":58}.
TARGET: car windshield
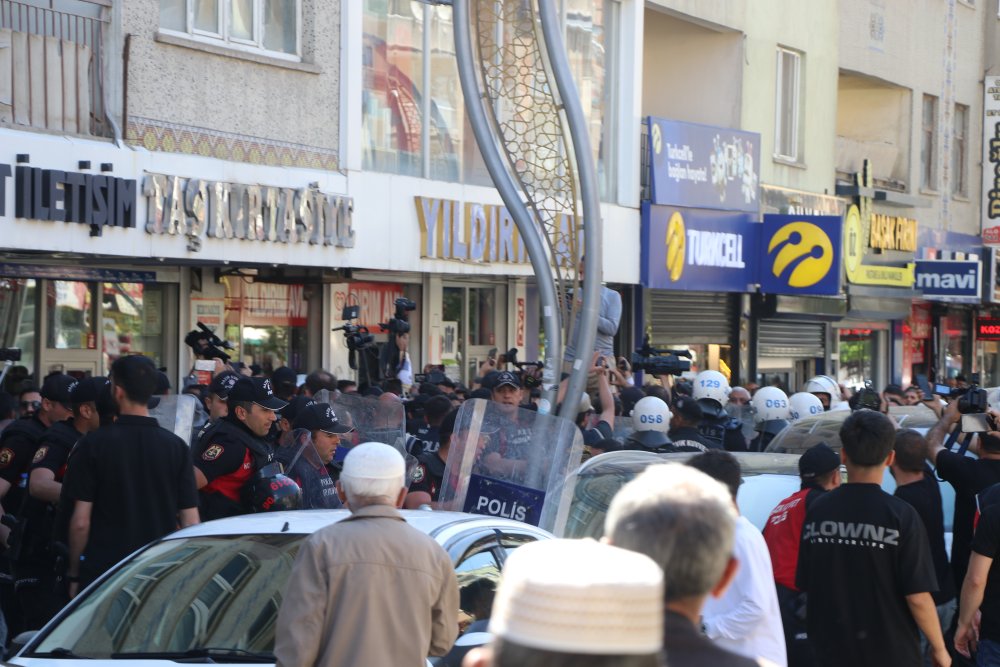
{"x":216,"y":596}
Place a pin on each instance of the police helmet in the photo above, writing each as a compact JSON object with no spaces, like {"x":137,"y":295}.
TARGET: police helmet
{"x":651,"y":414}
{"x":770,"y":403}
{"x":712,"y":385}
{"x":804,"y":404}
{"x":648,"y":441}
{"x":272,"y":491}
{"x":824,"y":384}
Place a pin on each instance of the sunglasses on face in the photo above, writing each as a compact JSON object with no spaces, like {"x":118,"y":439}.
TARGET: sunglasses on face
{"x":31,"y":405}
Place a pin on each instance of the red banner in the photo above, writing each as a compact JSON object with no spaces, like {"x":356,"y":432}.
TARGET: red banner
{"x":377,"y":301}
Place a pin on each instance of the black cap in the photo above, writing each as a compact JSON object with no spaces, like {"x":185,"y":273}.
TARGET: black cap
{"x":506,"y":378}
{"x":222,"y":383}
{"x":284,"y":376}
{"x":688,"y":408}
{"x":162,"y":384}
{"x":86,"y":390}
{"x":818,"y":460}
{"x":255,"y":390}
{"x":447,"y":425}
{"x":320,"y":417}
{"x":295,"y":407}
{"x":56,"y":387}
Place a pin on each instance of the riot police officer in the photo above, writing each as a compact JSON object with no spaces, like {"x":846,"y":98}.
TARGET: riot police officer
{"x":771,"y":416}
{"x":711,"y":390}
{"x":651,"y":421}
{"x":232,"y":458}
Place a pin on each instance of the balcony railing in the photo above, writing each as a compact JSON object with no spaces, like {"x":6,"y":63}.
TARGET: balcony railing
{"x":51,"y":65}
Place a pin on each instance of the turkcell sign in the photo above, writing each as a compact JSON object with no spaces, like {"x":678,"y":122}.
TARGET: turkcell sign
{"x":802,"y":254}
{"x":694,"y":249}
{"x":701,"y":166}
{"x":951,"y":280}
{"x":494,"y":497}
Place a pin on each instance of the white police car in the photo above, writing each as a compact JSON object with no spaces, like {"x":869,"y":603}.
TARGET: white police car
{"x":211,"y":593}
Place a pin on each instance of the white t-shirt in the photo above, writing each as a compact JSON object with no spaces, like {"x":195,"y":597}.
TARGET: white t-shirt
{"x":746,"y":619}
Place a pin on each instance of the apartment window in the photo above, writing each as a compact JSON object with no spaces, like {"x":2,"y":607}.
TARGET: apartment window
{"x":928,"y":139}
{"x":255,"y":25}
{"x":788,"y":106}
{"x":959,"y":151}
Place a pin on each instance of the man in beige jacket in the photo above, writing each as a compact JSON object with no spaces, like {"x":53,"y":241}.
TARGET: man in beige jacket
{"x":371,"y":589}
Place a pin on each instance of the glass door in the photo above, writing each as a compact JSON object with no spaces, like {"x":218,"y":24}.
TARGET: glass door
{"x":476,"y":313}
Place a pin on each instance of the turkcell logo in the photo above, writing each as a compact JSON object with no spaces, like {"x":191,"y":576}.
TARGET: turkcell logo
{"x":676,"y":246}
{"x":800,"y":254}
{"x":803,"y":254}
{"x":951,"y":279}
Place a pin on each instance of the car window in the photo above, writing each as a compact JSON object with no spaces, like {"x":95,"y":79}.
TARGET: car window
{"x":220,"y":592}
{"x":478,"y":574}
{"x":759,"y":494}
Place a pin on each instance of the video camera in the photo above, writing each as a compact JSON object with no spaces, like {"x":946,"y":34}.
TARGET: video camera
{"x":660,"y":362}
{"x":399,"y":323}
{"x":356,"y":336}
{"x":10,"y":354}
{"x":529,"y":378}
{"x":973,"y":400}
{"x":206,"y":344}
{"x":866,"y":398}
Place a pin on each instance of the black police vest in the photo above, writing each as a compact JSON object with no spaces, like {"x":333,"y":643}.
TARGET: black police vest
{"x":31,"y":430}
{"x":713,"y":431}
{"x":62,"y":433}
{"x":259,"y":449}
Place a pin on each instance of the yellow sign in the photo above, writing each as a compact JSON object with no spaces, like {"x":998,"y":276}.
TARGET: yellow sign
{"x":890,"y":232}
{"x":676,"y":246}
{"x":804,"y":246}
{"x":866,"y":274}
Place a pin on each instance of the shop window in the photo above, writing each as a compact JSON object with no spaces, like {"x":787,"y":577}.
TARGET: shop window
{"x":70,"y":315}
{"x":788,"y":106}
{"x":959,"y":151}
{"x":132,"y":321}
{"x":259,"y":25}
{"x":928,"y":141}
{"x":17,"y":321}
{"x":858,"y":348}
{"x":268,"y":323}
{"x":954,"y":333}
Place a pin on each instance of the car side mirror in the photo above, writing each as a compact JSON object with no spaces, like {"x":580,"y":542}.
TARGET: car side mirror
{"x":20,"y":641}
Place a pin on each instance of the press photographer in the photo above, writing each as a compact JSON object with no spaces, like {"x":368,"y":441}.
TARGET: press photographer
{"x":394,"y":362}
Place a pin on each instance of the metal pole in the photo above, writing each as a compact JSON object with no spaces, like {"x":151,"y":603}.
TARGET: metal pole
{"x":586,"y":331}
{"x":510,"y":194}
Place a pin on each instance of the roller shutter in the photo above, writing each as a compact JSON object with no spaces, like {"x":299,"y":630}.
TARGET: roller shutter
{"x":788,"y":338}
{"x":690,"y":318}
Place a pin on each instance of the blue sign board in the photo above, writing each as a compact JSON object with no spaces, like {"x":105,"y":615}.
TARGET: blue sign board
{"x":951,"y":280}
{"x":493,"y":497}
{"x":801,"y":254}
{"x":691,"y":249}
{"x":701,"y":166}
{"x":82,"y":273}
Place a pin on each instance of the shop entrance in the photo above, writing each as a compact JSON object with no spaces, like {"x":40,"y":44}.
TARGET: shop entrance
{"x":473,"y":326}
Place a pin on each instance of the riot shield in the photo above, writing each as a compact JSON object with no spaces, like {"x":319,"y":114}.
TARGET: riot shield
{"x":623,"y":428}
{"x":305,"y":464}
{"x":373,"y":419}
{"x":176,"y":414}
{"x":744,"y":413}
{"x":509,"y":462}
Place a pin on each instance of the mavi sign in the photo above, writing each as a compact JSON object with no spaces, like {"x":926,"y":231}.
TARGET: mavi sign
{"x":951,"y":280}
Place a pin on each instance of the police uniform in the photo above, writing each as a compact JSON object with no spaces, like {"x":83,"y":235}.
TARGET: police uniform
{"x":228,"y":454}
{"x":428,"y":476}
{"x":302,"y":460}
{"x":719,"y":430}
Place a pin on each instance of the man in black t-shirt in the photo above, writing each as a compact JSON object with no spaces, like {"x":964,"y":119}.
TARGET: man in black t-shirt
{"x":916,"y":484}
{"x":429,"y":474}
{"x":968,"y":476}
{"x":981,"y":592}
{"x":132,"y":481}
{"x":865,"y":562}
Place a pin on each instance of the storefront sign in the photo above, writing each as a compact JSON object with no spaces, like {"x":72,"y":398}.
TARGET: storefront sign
{"x":701,"y":166}
{"x":860,"y":224}
{"x":203,"y":210}
{"x":83,"y":273}
{"x":269,"y":304}
{"x":991,"y":161}
{"x":493,"y":497}
{"x":377,"y":302}
{"x":803,"y":255}
{"x":482,"y":233}
{"x":988,"y":328}
{"x":890,"y":232}
{"x":786,"y":201}
{"x":689,"y":249}
{"x":98,"y":200}
{"x":519,"y":328}
{"x":949,"y":280}
{"x":919,"y":322}
{"x":211,"y":313}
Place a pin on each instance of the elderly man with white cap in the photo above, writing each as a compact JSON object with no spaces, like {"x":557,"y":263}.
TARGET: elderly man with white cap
{"x":575,"y":603}
{"x":371,"y":589}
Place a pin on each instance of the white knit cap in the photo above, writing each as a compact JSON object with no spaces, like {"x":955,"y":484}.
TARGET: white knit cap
{"x":580,"y":596}
{"x":373,"y":460}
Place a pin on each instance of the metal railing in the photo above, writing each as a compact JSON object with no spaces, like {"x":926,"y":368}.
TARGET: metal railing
{"x":52,"y":76}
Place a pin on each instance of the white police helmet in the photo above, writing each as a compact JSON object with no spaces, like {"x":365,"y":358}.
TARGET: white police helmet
{"x":804,"y":404}
{"x":824,"y":384}
{"x":770,"y":403}
{"x":713,"y":385}
{"x":651,"y":414}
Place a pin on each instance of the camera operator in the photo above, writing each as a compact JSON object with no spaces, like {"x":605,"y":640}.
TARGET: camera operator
{"x":609,"y":316}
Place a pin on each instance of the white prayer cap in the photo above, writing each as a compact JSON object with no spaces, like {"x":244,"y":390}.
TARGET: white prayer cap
{"x":373,"y":460}
{"x":580,"y":596}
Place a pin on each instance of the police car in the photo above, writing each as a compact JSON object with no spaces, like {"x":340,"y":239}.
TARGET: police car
{"x":211,"y":592}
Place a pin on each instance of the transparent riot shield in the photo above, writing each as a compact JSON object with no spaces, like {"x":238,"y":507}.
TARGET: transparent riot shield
{"x":623,"y":428}
{"x":744,"y":413}
{"x":305,"y":462}
{"x":373,"y":419}
{"x":509,"y":462}
{"x":176,"y":414}
{"x":590,"y":488}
